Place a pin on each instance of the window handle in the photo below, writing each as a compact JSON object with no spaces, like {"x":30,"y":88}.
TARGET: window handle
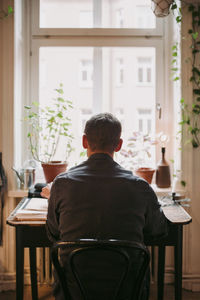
{"x":159,"y":108}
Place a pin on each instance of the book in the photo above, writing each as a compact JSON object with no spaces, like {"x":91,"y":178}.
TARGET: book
{"x":33,"y":209}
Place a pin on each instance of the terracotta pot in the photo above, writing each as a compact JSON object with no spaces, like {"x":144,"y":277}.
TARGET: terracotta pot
{"x":52,"y":169}
{"x":145,"y":173}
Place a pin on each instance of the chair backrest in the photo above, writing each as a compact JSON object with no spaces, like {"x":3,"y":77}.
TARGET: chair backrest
{"x":101,"y":270}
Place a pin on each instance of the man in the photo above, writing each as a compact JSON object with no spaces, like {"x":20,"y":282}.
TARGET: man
{"x":100,"y":199}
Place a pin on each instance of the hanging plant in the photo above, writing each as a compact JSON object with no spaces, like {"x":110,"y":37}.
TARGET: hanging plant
{"x":191,"y":113}
{"x":161,"y":8}
{"x":5,"y":13}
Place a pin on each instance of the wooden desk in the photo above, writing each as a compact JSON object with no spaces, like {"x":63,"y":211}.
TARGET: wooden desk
{"x":32,"y":234}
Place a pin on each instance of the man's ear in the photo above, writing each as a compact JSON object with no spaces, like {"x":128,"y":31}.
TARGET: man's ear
{"x":118,"y":148}
{"x":85,"y":142}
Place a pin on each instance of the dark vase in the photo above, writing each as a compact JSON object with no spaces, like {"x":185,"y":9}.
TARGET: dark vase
{"x":163,"y":172}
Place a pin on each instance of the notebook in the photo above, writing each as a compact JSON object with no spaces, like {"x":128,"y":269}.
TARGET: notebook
{"x":33,"y":209}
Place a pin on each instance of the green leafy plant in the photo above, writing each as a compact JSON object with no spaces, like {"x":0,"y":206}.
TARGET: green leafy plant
{"x":6,"y":13}
{"x":136,"y":152}
{"x":190,"y":114}
{"x":47,"y":125}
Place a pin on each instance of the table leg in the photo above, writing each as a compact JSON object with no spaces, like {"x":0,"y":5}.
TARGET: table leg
{"x":19,"y":264}
{"x":178,"y":263}
{"x":33,"y":269}
{"x":161,"y":272}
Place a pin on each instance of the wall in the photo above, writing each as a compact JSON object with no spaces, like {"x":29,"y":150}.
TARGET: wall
{"x":190,"y":161}
{"x":7,"y":257}
{"x":191,"y":167}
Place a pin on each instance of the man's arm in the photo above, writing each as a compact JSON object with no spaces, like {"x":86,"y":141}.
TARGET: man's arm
{"x":52,"y":216}
{"x":156,"y":224}
{"x":46,"y":191}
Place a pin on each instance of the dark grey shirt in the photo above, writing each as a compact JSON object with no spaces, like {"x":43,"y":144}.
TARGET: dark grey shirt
{"x":100,"y":199}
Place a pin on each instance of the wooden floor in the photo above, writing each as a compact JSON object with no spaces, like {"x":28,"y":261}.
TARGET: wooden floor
{"x":45,"y":293}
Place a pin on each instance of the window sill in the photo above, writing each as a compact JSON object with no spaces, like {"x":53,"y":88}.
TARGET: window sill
{"x":158,"y":191}
{"x":17,"y":193}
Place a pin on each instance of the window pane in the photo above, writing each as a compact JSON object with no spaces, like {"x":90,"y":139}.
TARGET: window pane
{"x":101,"y":13}
{"x":92,"y":79}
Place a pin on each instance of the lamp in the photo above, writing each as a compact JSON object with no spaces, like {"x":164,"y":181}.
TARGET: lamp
{"x":161,"y":7}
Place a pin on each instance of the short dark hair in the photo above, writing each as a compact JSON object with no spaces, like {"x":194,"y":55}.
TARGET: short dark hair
{"x":103,"y":132}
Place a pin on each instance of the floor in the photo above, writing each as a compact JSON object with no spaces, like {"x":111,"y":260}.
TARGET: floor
{"x":45,"y":294}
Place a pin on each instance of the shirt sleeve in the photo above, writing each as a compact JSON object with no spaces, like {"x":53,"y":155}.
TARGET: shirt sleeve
{"x":156,"y":224}
{"x":52,"y":223}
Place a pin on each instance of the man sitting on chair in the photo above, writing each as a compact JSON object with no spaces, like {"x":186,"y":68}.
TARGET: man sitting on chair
{"x":98,"y":199}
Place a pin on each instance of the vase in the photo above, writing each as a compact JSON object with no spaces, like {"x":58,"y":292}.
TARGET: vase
{"x":52,"y":169}
{"x":163,"y":172}
{"x":145,"y":173}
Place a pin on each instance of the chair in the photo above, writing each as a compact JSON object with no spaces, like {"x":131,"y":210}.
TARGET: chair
{"x":101,"y":269}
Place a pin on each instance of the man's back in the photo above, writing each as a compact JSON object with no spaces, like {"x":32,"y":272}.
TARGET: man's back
{"x":99,"y":199}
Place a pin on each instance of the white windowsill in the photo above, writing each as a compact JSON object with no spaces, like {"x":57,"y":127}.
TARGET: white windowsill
{"x":158,"y":191}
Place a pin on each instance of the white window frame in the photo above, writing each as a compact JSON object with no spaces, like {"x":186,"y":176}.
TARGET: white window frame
{"x":102,"y":37}
{"x":37,"y":31}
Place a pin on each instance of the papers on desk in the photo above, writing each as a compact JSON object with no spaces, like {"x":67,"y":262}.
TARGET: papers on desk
{"x":32,"y":209}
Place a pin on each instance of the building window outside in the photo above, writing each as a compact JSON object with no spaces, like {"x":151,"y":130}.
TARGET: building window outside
{"x":81,"y":13}
{"x":144,"y":70}
{"x":120,"y":18}
{"x":144,"y":17}
{"x":86,"y":19}
{"x":119,"y":72}
{"x":86,"y":73}
{"x":145,"y":120}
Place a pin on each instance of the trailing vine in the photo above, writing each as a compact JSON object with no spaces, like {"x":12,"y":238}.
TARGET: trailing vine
{"x":190,"y":117}
{"x":191,"y":114}
{"x":6,"y":13}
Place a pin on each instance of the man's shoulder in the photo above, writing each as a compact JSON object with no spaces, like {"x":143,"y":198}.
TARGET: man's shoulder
{"x":73,"y":170}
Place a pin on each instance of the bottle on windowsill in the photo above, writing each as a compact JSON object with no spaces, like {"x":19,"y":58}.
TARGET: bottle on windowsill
{"x":163,"y":172}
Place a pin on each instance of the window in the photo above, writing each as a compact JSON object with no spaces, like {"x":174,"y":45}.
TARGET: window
{"x":144,"y":17}
{"x":86,"y":19}
{"x":145,"y":120}
{"x":86,"y":73}
{"x":100,"y":53}
{"x":119,"y":71}
{"x":144,"y":70}
{"x":120,"y":18}
{"x":103,"y":13}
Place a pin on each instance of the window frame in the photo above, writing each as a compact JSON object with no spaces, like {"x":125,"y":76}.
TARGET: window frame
{"x":103,"y":37}
{"x":37,"y":31}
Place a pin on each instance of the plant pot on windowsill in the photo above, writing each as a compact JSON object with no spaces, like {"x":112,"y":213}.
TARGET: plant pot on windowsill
{"x":52,"y":169}
{"x":145,"y":173}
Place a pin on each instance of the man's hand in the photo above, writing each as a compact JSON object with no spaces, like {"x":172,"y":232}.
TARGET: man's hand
{"x":46,"y":191}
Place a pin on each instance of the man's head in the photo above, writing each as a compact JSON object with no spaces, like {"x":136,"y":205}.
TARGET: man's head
{"x":102,"y":134}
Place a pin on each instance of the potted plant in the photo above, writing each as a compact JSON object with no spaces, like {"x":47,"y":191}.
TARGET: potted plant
{"x":48,"y":124}
{"x":161,"y":8}
{"x":136,"y":155}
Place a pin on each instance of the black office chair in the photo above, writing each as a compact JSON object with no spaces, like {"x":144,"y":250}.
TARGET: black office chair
{"x":101,"y":270}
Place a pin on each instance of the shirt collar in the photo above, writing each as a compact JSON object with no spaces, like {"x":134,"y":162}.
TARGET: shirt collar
{"x":100,"y":156}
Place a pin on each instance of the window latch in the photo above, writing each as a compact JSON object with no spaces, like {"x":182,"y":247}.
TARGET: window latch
{"x":159,"y":109}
